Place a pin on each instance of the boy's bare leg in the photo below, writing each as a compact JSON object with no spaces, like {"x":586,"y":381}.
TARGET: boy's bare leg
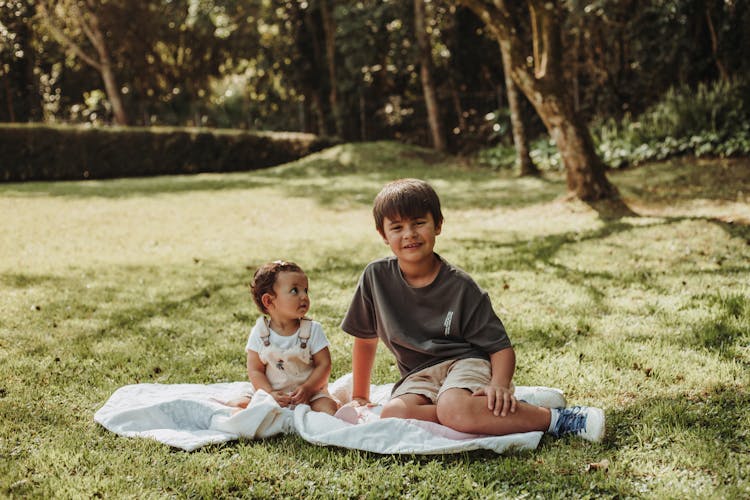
{"x":410,"y":406}
{"x":459,"y":410}
{"x":325,"y":405}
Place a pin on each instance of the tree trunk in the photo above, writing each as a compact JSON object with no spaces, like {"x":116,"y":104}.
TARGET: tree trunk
{"x":315,"y":90}
{"x":425,"y":73}
{"x":89,"y":23}
{"x":96,"y":37}
{"x":524,"y":164}
{"x":584,"y":170}
{"x":545,"y":88}
{"x":317,"y":105}
{"x":723,"y":73}
{"x":113,"y":92}
{"x":329,"y":27}
{"x":9,"y":100}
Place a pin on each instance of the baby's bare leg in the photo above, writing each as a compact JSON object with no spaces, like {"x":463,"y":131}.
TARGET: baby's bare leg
{"x":240,"y":402}
{"x":325,"y":405}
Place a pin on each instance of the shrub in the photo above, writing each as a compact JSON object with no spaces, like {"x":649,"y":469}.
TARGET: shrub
{"x":711,"y":120}
{"x":41,"y":152}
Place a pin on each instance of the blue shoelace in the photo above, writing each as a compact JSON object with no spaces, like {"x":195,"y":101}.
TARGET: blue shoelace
{"x":570,"y":420}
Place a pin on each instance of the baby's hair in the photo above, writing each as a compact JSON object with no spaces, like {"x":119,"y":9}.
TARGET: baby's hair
{"x":406,"y":198}
{"x":265,"y":277}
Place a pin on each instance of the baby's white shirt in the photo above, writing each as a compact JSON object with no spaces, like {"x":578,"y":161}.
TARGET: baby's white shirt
{"x":317,"y":342}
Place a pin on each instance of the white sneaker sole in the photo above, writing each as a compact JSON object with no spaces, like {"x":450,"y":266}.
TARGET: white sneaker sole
{"x":594,"y":425}
{"x":546,"y":397}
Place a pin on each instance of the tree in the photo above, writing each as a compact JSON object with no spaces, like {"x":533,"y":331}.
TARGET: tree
{"x":524,"y":164}
{"x":329,"y":28}
{"x":425,"y":73}
{"x":20,"y":89}
{"x":544,"y":85}
{"x":67,"y":19}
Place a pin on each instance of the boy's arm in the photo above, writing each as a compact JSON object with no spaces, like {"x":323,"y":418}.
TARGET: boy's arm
{"x":499,"y":391}
{"x":503,"y":366}
{"x":363,"y":357}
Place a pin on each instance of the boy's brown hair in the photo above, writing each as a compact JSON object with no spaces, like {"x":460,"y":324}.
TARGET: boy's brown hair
{"x":406,"y":198}
{"x":265,"y":277}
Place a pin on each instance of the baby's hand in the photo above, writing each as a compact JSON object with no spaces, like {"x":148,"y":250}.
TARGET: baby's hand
{"x":282,"y":398}
{"x":500,"y":400}
{"x":301,"y":396}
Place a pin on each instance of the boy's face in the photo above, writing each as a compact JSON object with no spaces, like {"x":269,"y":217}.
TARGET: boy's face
{"x":290,"y":299}
{"x":411,"y":239}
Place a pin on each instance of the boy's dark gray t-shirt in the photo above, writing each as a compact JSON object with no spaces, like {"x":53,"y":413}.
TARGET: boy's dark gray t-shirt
{"x":451,"y":318}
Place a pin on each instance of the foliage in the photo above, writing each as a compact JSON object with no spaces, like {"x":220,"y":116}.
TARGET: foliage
{"x":108,"y":283}
{"x":263,"y":65}
{"x":628,"y":53}
{"x":707,"y":120}
{"x":710,"y":120}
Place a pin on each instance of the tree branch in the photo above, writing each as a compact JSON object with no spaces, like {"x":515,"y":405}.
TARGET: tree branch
{"x":64,"y":39}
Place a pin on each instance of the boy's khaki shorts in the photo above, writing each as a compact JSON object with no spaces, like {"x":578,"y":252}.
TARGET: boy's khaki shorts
{"x":471,"y":374}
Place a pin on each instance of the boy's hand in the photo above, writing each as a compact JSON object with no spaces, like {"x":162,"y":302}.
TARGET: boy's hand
{"x":359,"y":402}
{"x":500,"y":400}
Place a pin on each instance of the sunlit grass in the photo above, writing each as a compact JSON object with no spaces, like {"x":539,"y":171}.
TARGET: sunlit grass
{"x":108,"y":283}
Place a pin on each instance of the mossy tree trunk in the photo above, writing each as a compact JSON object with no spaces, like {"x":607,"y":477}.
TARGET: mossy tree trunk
{"x":545,"y":86}
{"x":524,"y":163}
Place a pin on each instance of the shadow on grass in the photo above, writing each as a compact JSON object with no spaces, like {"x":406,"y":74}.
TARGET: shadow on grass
{"x":710,"y":422}
{"x":613,"y":209}
{"x":729,"y":330}
{"x":344,"y":176}
{"x":19,"y":280}
{"x":687,"y":178}
{"x":137,"y":186}
{"x":507,"y":474}
{"x":734,"y":230}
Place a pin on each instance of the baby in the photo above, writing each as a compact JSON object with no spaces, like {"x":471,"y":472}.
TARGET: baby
{"x":287,"y":354}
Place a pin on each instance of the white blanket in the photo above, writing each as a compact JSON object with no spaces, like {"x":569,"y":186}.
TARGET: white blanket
{"x":188,"y":416}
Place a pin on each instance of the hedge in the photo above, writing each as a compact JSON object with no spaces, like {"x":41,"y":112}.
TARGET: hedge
{"x":53,"y":152}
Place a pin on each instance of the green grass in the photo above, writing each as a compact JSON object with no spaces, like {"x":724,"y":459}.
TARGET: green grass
{"x":108,"y":283}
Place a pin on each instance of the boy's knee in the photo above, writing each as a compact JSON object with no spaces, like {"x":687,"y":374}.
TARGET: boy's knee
{"x":453,"y":412}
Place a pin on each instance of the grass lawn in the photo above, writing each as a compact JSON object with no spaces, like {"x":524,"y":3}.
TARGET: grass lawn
{"x":109,"y":283}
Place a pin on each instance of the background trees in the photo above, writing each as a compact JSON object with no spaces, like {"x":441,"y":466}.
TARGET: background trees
{"x":361,"y":70}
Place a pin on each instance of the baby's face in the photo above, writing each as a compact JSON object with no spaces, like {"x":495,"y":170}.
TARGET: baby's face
{"x":291,"y":299}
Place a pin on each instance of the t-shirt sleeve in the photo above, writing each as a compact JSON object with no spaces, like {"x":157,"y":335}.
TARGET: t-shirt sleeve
{"x":318,"y":340}
{"x":484,"y":329}
{"x":254,"y":343}
{"x":359,"y":320}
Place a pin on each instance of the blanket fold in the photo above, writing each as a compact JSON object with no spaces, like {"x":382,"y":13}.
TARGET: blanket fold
{"x":189,"y":416}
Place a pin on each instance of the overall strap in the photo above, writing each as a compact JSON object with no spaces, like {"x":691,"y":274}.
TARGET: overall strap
{"x":265,"y":332}
{"x":305,"y":326}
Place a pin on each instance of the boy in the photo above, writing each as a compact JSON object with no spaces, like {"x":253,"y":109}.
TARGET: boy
{"x":455,"y":359}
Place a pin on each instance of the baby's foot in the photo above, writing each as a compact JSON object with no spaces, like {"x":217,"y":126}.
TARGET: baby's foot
{"x":348,"y":414}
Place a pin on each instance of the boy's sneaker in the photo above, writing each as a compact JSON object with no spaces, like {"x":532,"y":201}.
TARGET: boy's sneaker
{"x":586,"y":422}
{"x":546,"y":397}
